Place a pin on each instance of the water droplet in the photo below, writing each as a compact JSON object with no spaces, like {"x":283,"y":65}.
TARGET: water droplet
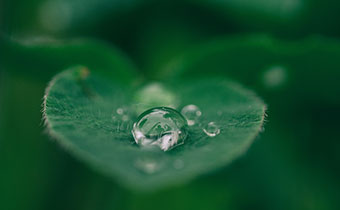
{"x":211,"y":129}
{"x":146,"y":165}
{"x":121,"y":119}
{"x":192,"y":113}
{"x":162,"y":127}
{"x":275,"y":76}
{"x":120,"y":111}
{"x":123,"y":114}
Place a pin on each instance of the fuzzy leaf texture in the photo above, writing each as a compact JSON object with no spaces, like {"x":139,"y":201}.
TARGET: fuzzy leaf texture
{"x":80,"y":113}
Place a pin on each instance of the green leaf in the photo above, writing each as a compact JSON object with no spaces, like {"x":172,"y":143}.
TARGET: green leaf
{"x":66,"y":15}
{"x":62,"y":16}
{"x":261,"y":14}
{"x":44,"y":58}
{"x":80,"y":112}
{"x":289,"y":72}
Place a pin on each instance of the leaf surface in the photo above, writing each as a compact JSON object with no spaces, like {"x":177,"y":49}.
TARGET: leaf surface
{"x":80,"y":110}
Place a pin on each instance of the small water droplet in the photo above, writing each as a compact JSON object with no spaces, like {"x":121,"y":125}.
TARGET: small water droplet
{"x":162,"y":127}
{"x":123,"y":114}
{"x":211,"y":129}
{"x":191,"y":113}
{"x":121,"y":119}
{"x":148,"y":166}
{"x":120,"y":111}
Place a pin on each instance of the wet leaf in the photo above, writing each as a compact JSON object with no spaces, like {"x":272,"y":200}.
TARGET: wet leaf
{"x":83,"y":111}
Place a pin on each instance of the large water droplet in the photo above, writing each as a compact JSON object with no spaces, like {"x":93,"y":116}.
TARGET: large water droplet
{"x":192,"y":113}
{"x":162,"y":127}
{"x":211,"y":129}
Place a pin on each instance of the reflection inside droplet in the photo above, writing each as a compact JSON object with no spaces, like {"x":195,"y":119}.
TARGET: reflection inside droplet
{"x":161,"y":127}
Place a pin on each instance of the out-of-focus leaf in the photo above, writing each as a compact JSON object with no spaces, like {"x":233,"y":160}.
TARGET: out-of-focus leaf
{"x":299,"y":71}
{"x":43,"y":58}
{"x":64,"y":15}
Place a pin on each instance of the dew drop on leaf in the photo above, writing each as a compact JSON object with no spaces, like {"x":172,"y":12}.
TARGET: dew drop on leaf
{"x":211,"y":129}
{"x":191,"y":113}
{"x":120,"y":111}
{"x":161,"y":127}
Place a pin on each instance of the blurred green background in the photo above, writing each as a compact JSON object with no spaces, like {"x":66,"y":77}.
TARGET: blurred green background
{"x":293,"y":164}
